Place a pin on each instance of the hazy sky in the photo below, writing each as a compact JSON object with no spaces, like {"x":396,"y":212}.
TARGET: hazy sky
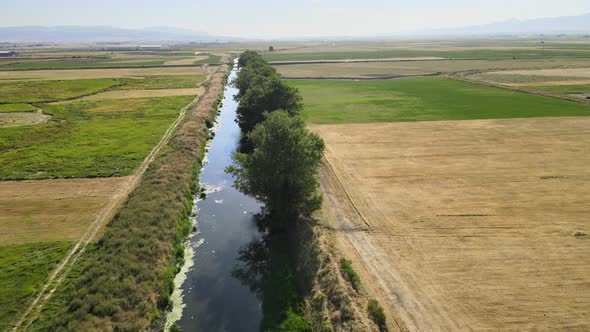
{"x":276,"y":18}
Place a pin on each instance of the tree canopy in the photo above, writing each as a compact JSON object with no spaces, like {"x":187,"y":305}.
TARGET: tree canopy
{"x":281,"y":171}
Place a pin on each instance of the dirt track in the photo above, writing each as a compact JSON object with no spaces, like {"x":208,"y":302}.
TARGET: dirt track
{"x":466,"y":225}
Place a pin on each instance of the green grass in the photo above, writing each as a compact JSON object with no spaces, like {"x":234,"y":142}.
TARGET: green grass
{"x":376,"y":313}
{"x":23,"y":269}
{"x":422,"y":99}
{"x":350,"y":274}
{"x":212,"y":59}
{"x":47,"y":91}
{"x":5,"y":108}
{"x":466,"y":54}
{"x":77,"y":142}
{"x":160,"y":82}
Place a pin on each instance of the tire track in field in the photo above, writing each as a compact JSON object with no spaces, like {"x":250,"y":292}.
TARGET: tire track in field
{"x":102,"y":218}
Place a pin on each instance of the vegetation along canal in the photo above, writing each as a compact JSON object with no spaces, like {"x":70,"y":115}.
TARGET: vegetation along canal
{"x":213,"y":299}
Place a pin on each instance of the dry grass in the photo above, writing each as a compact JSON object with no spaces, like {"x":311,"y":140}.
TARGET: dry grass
{"x":72,"y":74}
{"x":134,"y":94}
{"x":550,"y":83}
{"x":52,"y":210}
{"x":18,"y":119}
{"x":471,"y":222}
{"x":567,"y":72}
{"x":377,"y":69}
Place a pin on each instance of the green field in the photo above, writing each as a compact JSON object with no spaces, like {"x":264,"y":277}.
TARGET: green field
{"x":47,"y":91}
{"x":462,"y":54}
{"x":160,"y":82}
{"x":422,"y":99}
{"x":212,"y":59}
{"x":17,"y":108}
{"x":23,"y":269}
{"x":87,"y":139}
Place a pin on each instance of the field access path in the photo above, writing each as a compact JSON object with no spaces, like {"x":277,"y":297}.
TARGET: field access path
{"x":103,"y":217}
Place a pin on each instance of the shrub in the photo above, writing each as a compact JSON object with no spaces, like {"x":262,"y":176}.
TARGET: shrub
{"x":294,"y":323}
{"x":350,"y":274}
{"x":376,"y":313}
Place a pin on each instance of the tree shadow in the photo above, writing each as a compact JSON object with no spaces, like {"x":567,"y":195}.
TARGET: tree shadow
{"x":265,"y":267}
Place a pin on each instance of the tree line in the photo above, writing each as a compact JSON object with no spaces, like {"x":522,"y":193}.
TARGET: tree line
{"x":282,"y":157}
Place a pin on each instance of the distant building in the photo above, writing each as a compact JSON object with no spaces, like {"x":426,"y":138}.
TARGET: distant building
{"x":7,"y":53}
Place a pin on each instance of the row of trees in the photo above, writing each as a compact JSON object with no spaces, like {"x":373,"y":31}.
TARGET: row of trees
{"x":280,"y":165}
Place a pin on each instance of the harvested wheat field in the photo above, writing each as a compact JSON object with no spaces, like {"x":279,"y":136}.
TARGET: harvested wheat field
{"x":466,"y":225}
{"x":73,"y":74}
{"x":53,"y":210}
{"x":134,"y":94}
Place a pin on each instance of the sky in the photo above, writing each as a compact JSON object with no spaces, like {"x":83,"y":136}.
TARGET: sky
{"x":282,"y":18}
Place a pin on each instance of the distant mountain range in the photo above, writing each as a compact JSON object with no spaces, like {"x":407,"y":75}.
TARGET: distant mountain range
{"x":573,"y":25}
{"x":73,"y":34}
{"x":549,"y":25}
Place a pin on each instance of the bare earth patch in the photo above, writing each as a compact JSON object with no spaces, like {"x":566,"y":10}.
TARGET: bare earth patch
{"x":467,"y":225}
{"x":52,"y":210}
{"x":18,"y":119}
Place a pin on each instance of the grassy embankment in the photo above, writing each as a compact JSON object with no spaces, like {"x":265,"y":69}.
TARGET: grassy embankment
{"x":123,"y":282}
{"x":422,"y":99}
{"x":461,"y":54}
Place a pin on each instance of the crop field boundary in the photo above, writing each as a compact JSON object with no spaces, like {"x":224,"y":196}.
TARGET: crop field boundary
{"x":103,"y":217}
{"x":463,"y":76}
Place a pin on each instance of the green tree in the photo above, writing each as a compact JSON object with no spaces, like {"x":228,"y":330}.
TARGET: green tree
{"x":252,"y":76}
{"x":272,"y":93}
{"x":281,"y":171}
{"x":248,"y":57}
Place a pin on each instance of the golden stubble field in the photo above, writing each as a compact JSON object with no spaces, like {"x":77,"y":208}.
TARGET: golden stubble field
{"x":466,"y":225}
{"x":53,"y":210}
{"x":380,"y":67}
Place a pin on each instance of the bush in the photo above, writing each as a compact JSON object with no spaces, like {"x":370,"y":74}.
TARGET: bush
{"x":350,"y":274}
{"x":294,"y":323}
{"x":376,"y":313}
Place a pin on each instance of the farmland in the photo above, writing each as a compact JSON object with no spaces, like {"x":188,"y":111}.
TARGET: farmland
{"x":80,"y":139}
{"x":421,"y":99}
{"x":81,"y":142}
{"x":461,"y":205}
{"x":473,"y":224}
{"x":478,"y":53}
{"x":376,"y":69}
